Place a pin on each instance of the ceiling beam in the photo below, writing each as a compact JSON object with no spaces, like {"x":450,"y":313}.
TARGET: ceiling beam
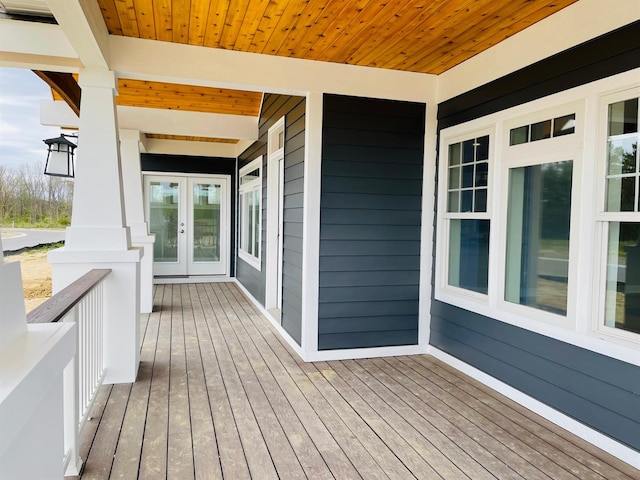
{"x":83,"y":25}
{"x":36,"y":46}
{"x":193,"y":65}
{"x":64,"y":85}
{"x":166,"y":122}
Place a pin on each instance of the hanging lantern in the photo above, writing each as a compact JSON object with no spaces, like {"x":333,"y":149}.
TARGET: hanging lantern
{"x":60,"y":157}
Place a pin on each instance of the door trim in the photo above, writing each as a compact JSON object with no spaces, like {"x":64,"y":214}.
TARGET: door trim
{"x":225,"y":216}
{"x":275,"y":200}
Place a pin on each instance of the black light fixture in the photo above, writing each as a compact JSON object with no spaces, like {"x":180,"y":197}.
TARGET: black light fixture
{"x":60,"y":156}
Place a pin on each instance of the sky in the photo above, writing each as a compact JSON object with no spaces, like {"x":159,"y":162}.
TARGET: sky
{"x":21,"y":134}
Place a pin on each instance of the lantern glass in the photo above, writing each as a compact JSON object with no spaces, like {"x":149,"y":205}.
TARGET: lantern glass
{"x":60,"y":158}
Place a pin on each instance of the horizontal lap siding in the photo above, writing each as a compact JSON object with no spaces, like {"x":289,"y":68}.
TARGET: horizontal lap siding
{"x":372,"y":157}
{"x":273,"y":108}
{"x":596,"y":390}
{"x":293,"y":220}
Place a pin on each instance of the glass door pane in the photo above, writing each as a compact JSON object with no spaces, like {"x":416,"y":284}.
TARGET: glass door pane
{"x":206,"y":222}
{"x":164,"y":200}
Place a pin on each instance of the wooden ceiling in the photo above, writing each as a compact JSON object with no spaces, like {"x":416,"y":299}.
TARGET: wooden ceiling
{"x":411,"y":35}
{"x":140,"y":93}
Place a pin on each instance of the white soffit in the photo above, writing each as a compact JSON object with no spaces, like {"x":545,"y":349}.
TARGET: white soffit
{"x":26,"y":7}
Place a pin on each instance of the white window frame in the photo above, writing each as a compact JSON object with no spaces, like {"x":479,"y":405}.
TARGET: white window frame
{"x":444,"y":291}
{"x":603,"y":218}
{"x":551,"y":150}
{"x":583,"y":325}
{"x":243,"y":191}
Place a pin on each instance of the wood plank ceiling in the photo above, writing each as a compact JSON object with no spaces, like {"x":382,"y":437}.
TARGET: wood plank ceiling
{"x":411,"y":35}
{"x":426,"y":36}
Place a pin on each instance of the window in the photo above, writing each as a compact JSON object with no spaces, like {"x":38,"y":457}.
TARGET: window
{"x":538,"y":224}
{"x":468,"y":225}
{"x":556,"y":127}
{"x":622,"y":217}
{"x":249,"y":212}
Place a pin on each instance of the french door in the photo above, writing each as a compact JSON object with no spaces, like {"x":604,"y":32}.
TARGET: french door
{"x":190,"y":219}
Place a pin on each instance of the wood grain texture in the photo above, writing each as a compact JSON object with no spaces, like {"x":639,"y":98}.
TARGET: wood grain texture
{"x":417,"y":36}
{"x":255,"y":410}
{"x":191,"y":139}
{"x":141,"y":93}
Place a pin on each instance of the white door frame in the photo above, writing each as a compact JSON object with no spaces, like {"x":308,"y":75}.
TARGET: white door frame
{"x":275,"y":205}
{"x":185,"y":222}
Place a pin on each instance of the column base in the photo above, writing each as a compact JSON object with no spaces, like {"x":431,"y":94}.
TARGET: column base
{"x":121,"y":289}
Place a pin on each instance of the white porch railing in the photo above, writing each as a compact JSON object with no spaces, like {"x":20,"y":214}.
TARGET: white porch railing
{"x":80,"y":302}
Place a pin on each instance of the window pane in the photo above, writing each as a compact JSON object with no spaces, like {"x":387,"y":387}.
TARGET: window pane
{"x":621,"y":193}
{"x":623,"y":117}
{"x":454,"y":178}
{"x":541,"y":130}
{"x":469,"y":254}
{"x":256,"y":221}
{"x":564,"y":125}
{"x":454,"y":199}
{"x":163,"y":221}
{"x":482,"y":174}
{"x":480,"y":204}
{"x":206,"y":222}
{"x":622,"y":155}
{"x":519,"y":135}
{"x":622,"y":299}
{"x":468,"y":151}
{"x":454,"y":154}
{"x":482,"y":148}
{"x":466,"y":201}
{"x":538,"y":236}
{"x":467,"y":176}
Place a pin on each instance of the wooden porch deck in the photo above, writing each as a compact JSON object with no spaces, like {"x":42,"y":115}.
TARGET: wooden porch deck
{"x":220,"y":395}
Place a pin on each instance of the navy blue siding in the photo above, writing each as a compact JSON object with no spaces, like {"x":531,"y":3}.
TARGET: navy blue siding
{"x":372,"y":157}
{"x":596,"y":390}
{"x":273,"y":108}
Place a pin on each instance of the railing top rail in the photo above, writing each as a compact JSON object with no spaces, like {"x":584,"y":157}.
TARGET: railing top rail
{"x":57,"y":306}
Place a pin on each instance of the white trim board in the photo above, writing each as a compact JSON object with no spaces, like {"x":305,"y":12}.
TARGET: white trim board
{"x":275,"y":323}
{"x":588,"y":434}
{"x":164,"y":280}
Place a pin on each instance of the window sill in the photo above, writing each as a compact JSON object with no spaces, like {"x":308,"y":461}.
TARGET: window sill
{"x":250,"y":260}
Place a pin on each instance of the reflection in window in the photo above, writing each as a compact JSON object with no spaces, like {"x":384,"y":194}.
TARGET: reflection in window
{"x":468,"y":175}
{"x":538,"y":226}
{"x":622,"y":300}
{"x":249,"y":211}
{"x":163,"y":220}
{"x":622,"y":157}
{"x":469,"y":254}
{"x":556,"y":127}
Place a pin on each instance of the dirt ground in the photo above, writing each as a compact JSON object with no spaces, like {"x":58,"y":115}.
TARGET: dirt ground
{"x":36,"y":277}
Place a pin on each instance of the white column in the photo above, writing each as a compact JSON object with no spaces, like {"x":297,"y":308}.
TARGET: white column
{"x":98,"y":236}
{"x":130,"y":141}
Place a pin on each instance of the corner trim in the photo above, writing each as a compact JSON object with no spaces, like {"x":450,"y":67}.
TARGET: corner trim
{"x":283,"y":333}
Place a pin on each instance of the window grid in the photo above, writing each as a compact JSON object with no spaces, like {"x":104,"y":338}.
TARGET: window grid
{"x":468,"y":173}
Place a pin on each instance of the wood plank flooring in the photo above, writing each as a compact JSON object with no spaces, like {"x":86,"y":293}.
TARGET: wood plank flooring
{"x":220,"y":395}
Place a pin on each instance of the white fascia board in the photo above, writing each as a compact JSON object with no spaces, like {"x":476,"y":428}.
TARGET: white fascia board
{"x":196,"y":124}
{"x":186,"y":64}
{"x":185,"y":147}
{"x":571,"y":26}
{"x":82,"y":23}
{"x":37,"y":46}
{"x":56,"y":113}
